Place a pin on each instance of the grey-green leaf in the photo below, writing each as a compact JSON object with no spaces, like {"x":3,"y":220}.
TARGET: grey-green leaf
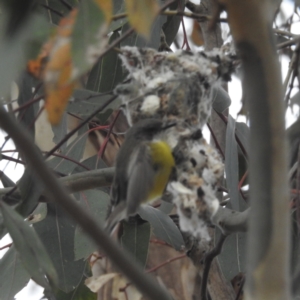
{"x":163,"y":226}
{"x":96,"y":202}
{"x":74,"y":151}
{"x":85,"y":102}
{"x":232,"y":164}
{"x":172,"y":24}
{"x":56,"y":232}
{"x":87,"y":35}
{"x":137,"y":40}
{"x":220,"y":99}
{"x":32,"y":252}
{"x":31,"y":189}
{"x":13,"y":276}
{"x":107,"y":72}
{"x":136,"y":239}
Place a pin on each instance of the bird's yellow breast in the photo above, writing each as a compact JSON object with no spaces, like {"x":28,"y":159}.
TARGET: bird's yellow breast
{"x":163,"y":162}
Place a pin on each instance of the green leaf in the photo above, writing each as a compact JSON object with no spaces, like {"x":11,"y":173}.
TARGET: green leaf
{"x":88,"y":37}
{"x":232,"y":164}
{"x":14,"y":50}
{"x":74,"y":151}
{"x":31,"y":189}
{"x":141,"y":15}
{"x":13,"y":276}
{"x":172,"y":24}
{"x":81,"y":292}
{"x":3,"y":229}
{"x":107,"y":73}
{"x":58,"y":6}
{"x":5,"y":180}
{"x":56,"y":232}
{"x":243,"y":133}
{"x":137,"y":40}
{"x":163,"y":226}
{"x":93,"y":163}
{"x":32,"y":252}
{"x":232,"y":259}
{"x":85,"y":102}
{"x":136,"y":239}
{"x":119,"y":8}
{"x":96,"y":202}
{"x":60,"y":131}
{"x":220,"y":99}
{"x":26,"y":83}
{"x":166,"y":207}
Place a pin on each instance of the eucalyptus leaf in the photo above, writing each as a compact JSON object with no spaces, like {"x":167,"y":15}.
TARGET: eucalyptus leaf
{"x":6,"y":181}
{"x":107,"y":72}
{"x":96,"y":202}
{"x":243,"y":133}
{"x":137,"y":40}
{"x":93,"y":163}
{"x":13,"y":275}
{"x":163,"y":226}
{"x":88,"y":37}
{"x":57,"y":6}
{"x":26,"y":83}
{"x":32,"y":252}
{"x":12,"y":56}
{"x":57,"y":232}
{"x":232,"y":164}
{"x":85,"y":102}
{"x":74,"y":151}
{"x":220,"y":99}
{"x":232,"y":259}
{"x":60,"y":131}
{"x":82,"y":292}
{"x":119,"y":8}
{"x":172,"y":24}
{"x":31,"y":188}
{"x":135,"y":240}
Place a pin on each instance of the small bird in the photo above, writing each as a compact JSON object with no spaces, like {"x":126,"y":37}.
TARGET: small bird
{"x":143,"y":167}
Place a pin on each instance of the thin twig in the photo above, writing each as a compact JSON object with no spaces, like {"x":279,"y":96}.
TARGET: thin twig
{"x":240,"y":289}
{"x":207,"y":263}
{"x":53,"y":10}
{"x":293,"y":69}
{"x":216,"y":140}
{"x":166,"y":263}
{"x":28,"y":103}
{"x":6,"y":246}
{"x":66,"y":4}
{"x":224,"y":119}
{"x":103,"y":147}
{"x":72,"y":132}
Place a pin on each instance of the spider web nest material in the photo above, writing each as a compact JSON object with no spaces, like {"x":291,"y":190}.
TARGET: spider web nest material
{"x":177,"y":87}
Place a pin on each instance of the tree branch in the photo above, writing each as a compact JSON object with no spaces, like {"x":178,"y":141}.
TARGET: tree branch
{"x":145,"y":283}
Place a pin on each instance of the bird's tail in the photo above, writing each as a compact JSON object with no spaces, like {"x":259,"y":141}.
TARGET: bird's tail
{"x":116,"y":215}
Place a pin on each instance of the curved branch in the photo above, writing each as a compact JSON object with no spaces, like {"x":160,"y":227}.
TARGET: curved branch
{"x":145,"y":283}
{"x":79,"y":182}
{"x":230,"y":221}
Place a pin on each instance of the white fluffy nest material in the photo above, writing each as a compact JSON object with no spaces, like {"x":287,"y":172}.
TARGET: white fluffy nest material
{"x":177,"y":87}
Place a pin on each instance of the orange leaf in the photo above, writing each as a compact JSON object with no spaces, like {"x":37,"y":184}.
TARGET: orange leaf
{"x":36,"y":66}
{"x":141,"y":14}
{"x":106,"y":7}
{"x":58,"y":77}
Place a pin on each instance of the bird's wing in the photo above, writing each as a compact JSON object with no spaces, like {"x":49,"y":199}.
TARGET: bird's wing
{"x":140,"y":178}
